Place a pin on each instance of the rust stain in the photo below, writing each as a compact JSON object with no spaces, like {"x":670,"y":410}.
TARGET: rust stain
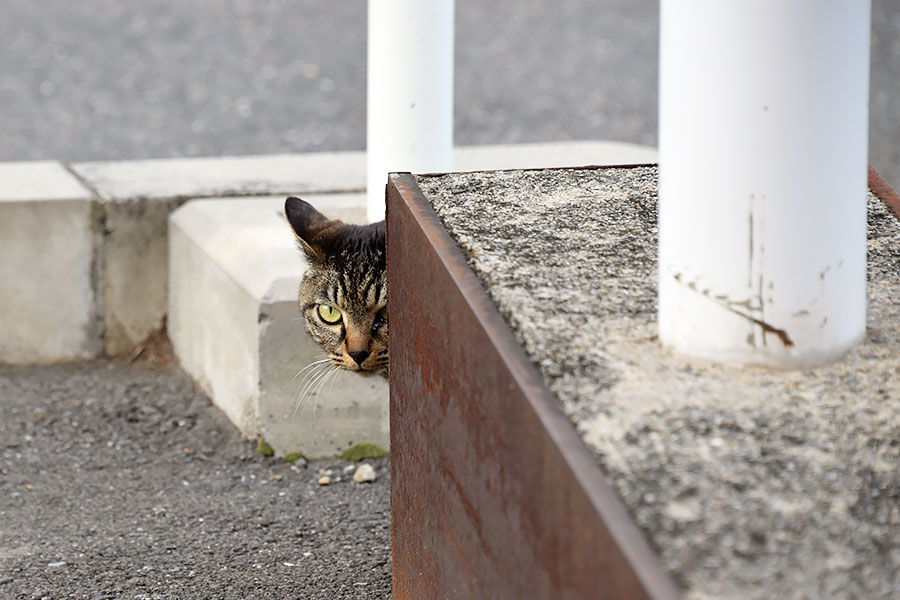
{"x":729,"y":305}
{"x":781,"y":333}
{"x":884,"y":191}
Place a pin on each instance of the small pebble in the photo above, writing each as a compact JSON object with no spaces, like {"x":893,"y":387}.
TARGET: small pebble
{"x":324,"y":480}
{"x":364,"y":473}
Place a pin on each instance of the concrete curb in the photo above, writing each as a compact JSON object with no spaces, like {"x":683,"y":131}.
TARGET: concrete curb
{"x":223,"y":268}
{"x":48,"y":270}
{"x":234,"y":271}
{"x":113,"y":249}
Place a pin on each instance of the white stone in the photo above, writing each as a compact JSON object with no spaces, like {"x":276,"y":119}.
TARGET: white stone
{"x":236,"y":327}
{"x":47,"y":266}
{"x":364,"y":473}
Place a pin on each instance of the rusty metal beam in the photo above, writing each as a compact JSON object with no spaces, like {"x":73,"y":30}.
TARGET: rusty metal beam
{"x":884,"y":191}
{"x":493,"y":493}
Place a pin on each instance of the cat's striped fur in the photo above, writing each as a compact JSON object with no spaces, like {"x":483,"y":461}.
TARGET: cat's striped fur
{"x":343,"y":295}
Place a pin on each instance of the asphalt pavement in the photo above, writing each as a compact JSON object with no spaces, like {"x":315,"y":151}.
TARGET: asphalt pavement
{"x":103,"y":79}
{"x":124,"y":481}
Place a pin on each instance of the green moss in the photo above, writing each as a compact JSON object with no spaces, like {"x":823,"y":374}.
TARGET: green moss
{"x":293,"y":457}
{"x":263,"y":447}
{"x":358,"y":452}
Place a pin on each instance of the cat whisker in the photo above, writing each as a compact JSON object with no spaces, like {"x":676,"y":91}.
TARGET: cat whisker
{"x":317,"y":388}
{"x":311,"y":367}
{"x":332,"y":374}
{"x":313,"y":377}
{"x":306,"y":382}
{"x":312,"y":374}
{"x":322,"y":358}
{"x":307,"y":392}
{"x":333,"y":379}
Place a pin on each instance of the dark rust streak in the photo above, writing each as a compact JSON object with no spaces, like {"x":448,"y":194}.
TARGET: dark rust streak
{"x":781,"y":333}
{"x":728,"y":305}
{"x":466,"y":404}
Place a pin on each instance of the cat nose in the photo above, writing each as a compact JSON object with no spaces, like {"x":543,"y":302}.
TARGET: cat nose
{"x":359,"y":356}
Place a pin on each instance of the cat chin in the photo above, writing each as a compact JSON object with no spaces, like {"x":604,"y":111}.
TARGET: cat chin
{"x":368,"y":373}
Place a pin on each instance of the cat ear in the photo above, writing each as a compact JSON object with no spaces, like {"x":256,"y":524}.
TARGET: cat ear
{"x":306,"y":222}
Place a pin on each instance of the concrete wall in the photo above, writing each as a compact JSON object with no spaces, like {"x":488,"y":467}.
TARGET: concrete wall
{"x":48,"y":270}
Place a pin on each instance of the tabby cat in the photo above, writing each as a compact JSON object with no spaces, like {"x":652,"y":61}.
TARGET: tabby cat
{"x":343,"y":295}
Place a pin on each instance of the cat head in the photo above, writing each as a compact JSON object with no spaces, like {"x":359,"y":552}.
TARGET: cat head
{"x":343,"y":295}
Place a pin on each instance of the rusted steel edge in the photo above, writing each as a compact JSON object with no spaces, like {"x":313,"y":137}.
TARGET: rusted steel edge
{"x":884,"y":191}
{"x":630,"y":540}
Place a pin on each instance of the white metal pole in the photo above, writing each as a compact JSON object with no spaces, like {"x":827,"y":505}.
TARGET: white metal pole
{"x":763,"y":150}
{"x":410,"y":91}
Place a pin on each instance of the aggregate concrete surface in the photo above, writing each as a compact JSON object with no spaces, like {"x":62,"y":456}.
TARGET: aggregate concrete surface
{"x":123,"y":481}
{"x":750,"y":483}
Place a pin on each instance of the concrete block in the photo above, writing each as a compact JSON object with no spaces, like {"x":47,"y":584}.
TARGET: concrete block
{"x":555,"y":154}
{"x":235,"y":326}
{"x":324,"y":172}
{"x":138,"y":196}
{"x":47,"y":266}
{"x":185,"y":178}
{"x":135,"y":283}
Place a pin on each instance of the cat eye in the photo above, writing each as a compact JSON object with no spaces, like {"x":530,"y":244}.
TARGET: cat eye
{"x":380,"y":319}
{"x":329,"y":314}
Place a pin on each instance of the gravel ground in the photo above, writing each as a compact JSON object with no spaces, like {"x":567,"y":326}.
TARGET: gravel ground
{"x":123,"y":481}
